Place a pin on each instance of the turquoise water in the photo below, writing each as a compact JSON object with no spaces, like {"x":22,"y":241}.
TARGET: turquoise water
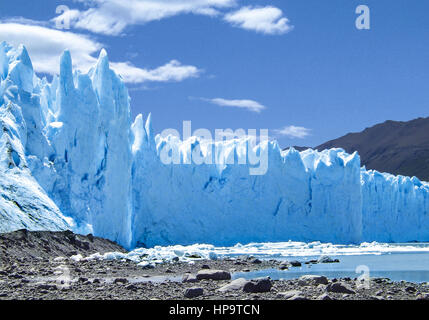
{"x":407,"y":266}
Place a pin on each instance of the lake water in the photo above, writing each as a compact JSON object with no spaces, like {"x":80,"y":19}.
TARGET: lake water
{"x":412,"y":267}
{"x":407,"y":261}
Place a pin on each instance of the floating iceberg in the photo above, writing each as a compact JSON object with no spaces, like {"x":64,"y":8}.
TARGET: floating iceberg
{"x":72,"y":158}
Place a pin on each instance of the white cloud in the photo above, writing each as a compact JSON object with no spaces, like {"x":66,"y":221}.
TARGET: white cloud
{"x":111,"y":17}
{"x":294,"y":132}
{"x":46,"y":45}
{"x":268,"y":20}
{"x":172,"y":71}
{"x":22,"y":20}
{"x":245,"y":104}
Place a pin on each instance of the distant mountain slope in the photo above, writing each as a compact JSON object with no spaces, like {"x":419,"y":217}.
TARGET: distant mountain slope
{"x":396,"y":147}
{"x":298,"y":148}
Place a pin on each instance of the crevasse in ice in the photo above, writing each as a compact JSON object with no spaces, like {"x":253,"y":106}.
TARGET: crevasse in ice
{"x":70,"y":157}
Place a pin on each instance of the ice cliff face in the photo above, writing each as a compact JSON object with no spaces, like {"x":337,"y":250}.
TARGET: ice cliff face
{"x":295,"y":199}
{"x":395,"y":208}
{"x":69,"y":149}
{"x":23,"y":202}
{"x":73,"y":139}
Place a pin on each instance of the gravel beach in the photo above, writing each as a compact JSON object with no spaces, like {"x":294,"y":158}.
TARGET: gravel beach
{"x":37,"y":265}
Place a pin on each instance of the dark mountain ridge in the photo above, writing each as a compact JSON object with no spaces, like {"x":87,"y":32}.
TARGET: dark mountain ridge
{"x":397,"y":147}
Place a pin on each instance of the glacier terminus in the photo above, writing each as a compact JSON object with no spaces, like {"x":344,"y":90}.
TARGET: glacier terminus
{"x":71,"y":157}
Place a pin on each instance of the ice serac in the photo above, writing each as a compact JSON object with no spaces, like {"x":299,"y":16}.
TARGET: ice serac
{"x":23,"y":202}
{"x":89,"y":130}
{"x":71,"y":158}
{"x":75,"y":144}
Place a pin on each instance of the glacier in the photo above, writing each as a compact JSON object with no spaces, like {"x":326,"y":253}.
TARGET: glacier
{"x":71,"y":157}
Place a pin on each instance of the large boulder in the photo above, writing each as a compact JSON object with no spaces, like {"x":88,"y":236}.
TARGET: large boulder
{"x":208,"y":274}
{"x":258,"y":285}
{"x":189,"y":278}
{"x":309,"y":280}
{"x":237,"y":284}
{"x":289,"y":294}
{"x":250,"y":286}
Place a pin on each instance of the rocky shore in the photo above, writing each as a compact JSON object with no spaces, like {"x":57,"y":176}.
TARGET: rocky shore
{"x":38,"y":266}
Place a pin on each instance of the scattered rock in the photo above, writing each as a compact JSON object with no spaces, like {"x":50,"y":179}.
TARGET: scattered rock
{"x":213,"y":275}
{"x":60,"y":259}
{"x":284,"y":265}
{"x":423,"y":296}
{"x":339,"y":287}
{"x":380,"y":280}
{"x":289,"y":294}
{"x":379,"y":293}
{"x":46,"y":286}
{"x":189,"y":278}
{"x":410,"y":289}
{"x":249,"y":286}
{"x":326,"y":259}
{"x":237,"y":284}
{"x":298,"y":298}
{"x":295,"y":263}
{"x":194,"y":292}
{"x":205,"y":266}
{"x":324,"y":296}
{"x":258,"y":285}
{"x":308,"y":280}
{"x":146,"y":265}
{"x":256,"y":261}
{"x":131,"y":287}
{"x":120,"y":280}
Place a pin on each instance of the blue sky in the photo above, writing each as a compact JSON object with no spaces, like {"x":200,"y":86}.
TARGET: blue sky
{"x":299,"y":64}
